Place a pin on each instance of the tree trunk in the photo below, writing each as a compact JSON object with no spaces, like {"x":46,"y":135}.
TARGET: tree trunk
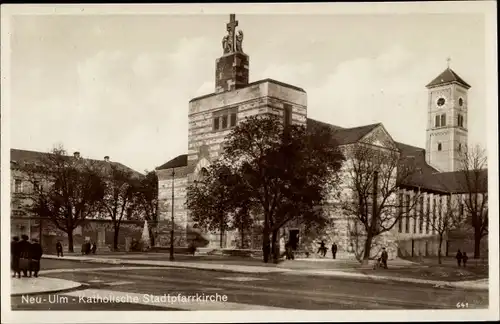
{"x":368,"y":247}
{"x":265,"y":244}
{"x":477,"y":243}
{"x":115,"y":238}
{"x":221,"y":234}
{"x":70,"y":241}
{"x":439,"y":248}
{"x":242,"y":234}
{"x":151,"y":237}
{"x":274,"y":246}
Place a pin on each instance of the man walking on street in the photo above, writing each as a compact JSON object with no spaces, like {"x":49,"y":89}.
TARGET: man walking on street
{"x":459,"y":258}
{"x":36,"y":255}
{"x":384,"y":258}
{"x":59,"y":249}
{"x":465,"y":258}
{"x":334,"y":250}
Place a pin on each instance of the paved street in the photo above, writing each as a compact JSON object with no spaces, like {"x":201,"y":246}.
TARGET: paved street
{"x":140,"y":288}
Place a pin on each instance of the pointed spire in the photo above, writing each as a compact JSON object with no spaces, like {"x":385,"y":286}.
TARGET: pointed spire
{"x":448,"y":76}
{"x":448,"y":60}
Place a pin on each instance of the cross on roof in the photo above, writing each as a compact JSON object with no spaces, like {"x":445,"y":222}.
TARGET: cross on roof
{"x":232,"y":24}
{"x":448,"y":60}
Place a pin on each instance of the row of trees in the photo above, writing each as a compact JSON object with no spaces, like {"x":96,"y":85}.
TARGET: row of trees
{"x":283,"y":173}
{"x":68,"y":190}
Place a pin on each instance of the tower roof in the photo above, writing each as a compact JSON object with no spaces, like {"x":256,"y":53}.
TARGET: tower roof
{"x":446,"y":77}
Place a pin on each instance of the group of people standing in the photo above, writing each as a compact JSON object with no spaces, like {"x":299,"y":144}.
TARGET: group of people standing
{"x":25,"y":256}
{"x":462,"y":258}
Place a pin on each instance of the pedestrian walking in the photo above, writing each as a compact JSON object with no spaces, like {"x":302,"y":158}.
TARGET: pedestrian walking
{"x":464,"y":259}
{"x":384,"y":258}
{"x":459,"y":257}
{"x":334,"y":250}
{"x":36,"y":256}
{"x":322,"y":248}
{"x":59,"y":249}
{"x":14,"y":256}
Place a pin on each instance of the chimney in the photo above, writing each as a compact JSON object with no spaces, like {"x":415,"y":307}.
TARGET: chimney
{"x":76,"y":155}
{"x":106,"y":158}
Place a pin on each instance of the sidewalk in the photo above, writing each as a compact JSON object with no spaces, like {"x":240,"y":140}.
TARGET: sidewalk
{"x":280,"y":268}
{"x":27,"y":286}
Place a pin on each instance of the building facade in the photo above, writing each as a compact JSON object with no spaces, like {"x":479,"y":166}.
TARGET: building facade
{"x":211,"y":118}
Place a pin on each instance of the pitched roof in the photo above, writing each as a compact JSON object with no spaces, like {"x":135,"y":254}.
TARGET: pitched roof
{"x":343,"y":135}
{"x":446,"y":77}
{"x":177,"y":162}
{"x":24,"y":156}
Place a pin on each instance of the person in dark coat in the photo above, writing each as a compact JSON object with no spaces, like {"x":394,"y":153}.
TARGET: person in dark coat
{"x":384,"y":258}
{"x":465,"y":258}
{"x":24,"y":255}
{"x":36,"y":255}
{"x":334,"y":250}
{"x":14,"y":255}
{"x":59,"y":249}
{"x":322,"y":249}
{"x":94,"y":247}
{"x":459,"y":258}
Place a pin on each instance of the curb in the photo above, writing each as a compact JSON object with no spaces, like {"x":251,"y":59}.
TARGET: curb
{"x":76,"y":285}
{"x":337,"y":274}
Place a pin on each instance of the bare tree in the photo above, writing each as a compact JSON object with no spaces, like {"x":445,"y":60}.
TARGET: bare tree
{"x":373,"y":179}
{"x":66,"y":189}
{"x":446,"y":218}
{"x":474,"y":181}
{"x":118,"y":201}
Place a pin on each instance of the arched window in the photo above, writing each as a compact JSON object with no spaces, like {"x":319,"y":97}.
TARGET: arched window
{"x":440,"y":147}
{"x":459,"y":147}
{"x":437,"y":121}
{"x":443,"y":120}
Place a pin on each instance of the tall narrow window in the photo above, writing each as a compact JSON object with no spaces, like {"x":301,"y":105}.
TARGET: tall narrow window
{"x":459,"y":147}
{"x":216,"y":123}
{"x":440,"y":147}
{"x":427,"y":215}
{"x":287,"y":115}
{"x":233,"y":119}
{"x":437,"y":121}
{"x":224,"y":122}
{"x":415,"y":211}
{"x":421,"y":216}
{"x":433,"y":222}
{"x":18,"y":186}
{"x":443,"y":120}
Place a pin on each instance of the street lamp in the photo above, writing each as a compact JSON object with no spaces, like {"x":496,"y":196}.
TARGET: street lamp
{"x":172,"y":220}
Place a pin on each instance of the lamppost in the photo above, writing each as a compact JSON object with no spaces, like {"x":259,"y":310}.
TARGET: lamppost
{"x":172,"y":220}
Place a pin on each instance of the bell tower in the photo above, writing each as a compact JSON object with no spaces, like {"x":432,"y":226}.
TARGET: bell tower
{"x":231,"y":71}
{"x":447,"y":134}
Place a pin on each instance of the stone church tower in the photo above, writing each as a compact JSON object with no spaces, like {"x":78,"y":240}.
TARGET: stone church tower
{"x":447,"y":133}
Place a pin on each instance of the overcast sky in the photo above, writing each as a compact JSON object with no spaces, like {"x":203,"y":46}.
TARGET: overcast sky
{"x":119,"y":85}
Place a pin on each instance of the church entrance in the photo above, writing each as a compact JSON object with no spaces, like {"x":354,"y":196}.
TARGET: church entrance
{"x":293,"y":237}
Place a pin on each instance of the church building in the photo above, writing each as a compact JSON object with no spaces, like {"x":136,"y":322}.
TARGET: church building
{"x":212,"y":116}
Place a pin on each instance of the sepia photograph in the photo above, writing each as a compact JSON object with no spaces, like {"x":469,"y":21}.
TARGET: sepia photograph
{"x":249,"y":162}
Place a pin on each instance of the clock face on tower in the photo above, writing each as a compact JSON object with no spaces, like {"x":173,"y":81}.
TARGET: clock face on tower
{"x":441,"y":101}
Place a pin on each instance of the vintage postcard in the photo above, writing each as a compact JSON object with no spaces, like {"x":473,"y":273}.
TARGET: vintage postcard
{"x":249,"y":162}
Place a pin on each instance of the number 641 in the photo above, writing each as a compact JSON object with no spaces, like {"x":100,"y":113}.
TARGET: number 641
{"x":462,"y":305}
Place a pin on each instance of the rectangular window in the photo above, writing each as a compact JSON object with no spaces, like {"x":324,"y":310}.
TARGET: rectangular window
{"x":437,"y":121}
{"x":287,"y":115}
{"x":421,"y":216}
{"x":224,"y":122}
{"x":216,"y":123}
{"x":233,"y":119}
{"x":18,"y":186}
{"x":407,"y":214}
{"x":434,"y":213}
{"x":443,"y":120}
{"x":427,"y":215}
